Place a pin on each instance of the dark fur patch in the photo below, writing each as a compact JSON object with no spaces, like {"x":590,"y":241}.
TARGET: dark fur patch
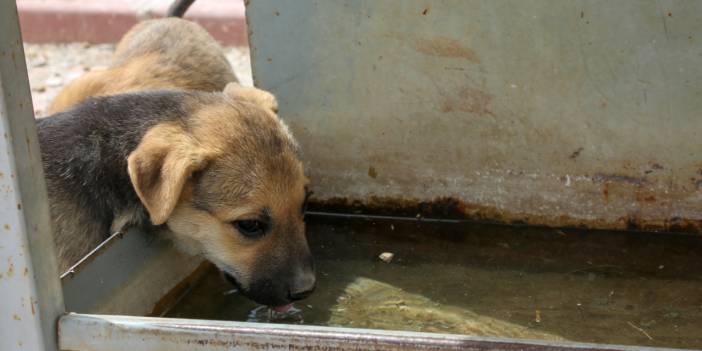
{"x":85,"y":149}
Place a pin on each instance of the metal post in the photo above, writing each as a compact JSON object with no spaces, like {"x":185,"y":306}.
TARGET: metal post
{"x":31,"y":300}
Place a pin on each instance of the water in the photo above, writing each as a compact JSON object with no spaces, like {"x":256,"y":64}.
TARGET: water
{"x":490,"y":280}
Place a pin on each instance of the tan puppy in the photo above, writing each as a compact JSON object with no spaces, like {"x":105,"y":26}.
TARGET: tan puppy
{"x":156,"y":54}
{"x":217,"y":172}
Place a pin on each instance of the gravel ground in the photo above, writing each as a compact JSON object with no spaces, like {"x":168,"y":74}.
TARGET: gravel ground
{"x":51,"y":66}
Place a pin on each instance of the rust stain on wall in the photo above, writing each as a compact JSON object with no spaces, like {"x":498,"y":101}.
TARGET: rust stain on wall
{"x":605,"y":194}
{"x":444,"y":47}
{"x":576,"y":153}
{"x":10,"y":269}
{"x":452,"y":208}
{"x":468,"y":99}
{"x":372,"y":172}
{"x":645,"y":197}
{"x":437,"y":46}
{"x":618,"y":178}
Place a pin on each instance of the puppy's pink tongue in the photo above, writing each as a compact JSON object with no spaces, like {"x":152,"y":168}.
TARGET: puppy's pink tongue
{"x":282,"y":309}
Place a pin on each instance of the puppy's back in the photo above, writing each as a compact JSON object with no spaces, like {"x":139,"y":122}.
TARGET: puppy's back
{"x":167,"y":53}
{"x":181,"y":45}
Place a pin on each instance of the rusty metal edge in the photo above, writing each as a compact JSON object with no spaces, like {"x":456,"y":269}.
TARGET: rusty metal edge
{"x":454,"y":209}
{"x":108,"y":333}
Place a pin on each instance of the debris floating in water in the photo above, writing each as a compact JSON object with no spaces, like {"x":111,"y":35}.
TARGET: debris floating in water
{"x":386,"y":257}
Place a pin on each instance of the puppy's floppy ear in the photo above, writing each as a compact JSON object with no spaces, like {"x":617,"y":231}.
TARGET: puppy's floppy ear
{"x":160,"y":166}
{"x":255,"y":95}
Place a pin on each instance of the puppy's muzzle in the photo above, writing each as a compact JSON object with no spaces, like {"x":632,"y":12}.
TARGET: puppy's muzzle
{"x":269,"y":293}
{"x":303,"y":287}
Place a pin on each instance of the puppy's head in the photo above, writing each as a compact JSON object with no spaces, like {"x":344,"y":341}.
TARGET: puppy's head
{"x":228,"y":183}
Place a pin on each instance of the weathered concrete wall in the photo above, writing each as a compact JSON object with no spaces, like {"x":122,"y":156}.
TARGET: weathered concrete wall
{"x":547,"y":111}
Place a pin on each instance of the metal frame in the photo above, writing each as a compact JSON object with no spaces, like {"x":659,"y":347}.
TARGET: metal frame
{"x":116,"y":333}
{"x":32,"y":300}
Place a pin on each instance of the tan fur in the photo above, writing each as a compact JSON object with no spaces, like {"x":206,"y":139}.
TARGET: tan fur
{"x":232,"y":159}
{"x":245,"y":176}
{"x":257,"y":96}
{"x":155,"y":54}
{"x":161,"y":164}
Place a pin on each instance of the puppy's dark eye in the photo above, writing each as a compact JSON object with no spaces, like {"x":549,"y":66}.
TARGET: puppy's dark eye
{"x":250,"y":228}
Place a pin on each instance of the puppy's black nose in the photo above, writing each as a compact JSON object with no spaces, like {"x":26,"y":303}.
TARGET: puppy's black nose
{"x":300,"y":295}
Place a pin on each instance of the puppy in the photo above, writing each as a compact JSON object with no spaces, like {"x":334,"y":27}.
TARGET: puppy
{"x":219,"y":173}
{"x":167,"y":53}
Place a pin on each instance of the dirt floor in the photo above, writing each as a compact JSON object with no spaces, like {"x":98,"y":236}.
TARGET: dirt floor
{"x":51,"y":66}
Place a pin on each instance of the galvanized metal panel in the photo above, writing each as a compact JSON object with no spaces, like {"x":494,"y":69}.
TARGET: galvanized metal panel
{"x":117,"y":333}
{"x":545,"y":111}
{"x":30,"y":292}
{"x":129,"y":274}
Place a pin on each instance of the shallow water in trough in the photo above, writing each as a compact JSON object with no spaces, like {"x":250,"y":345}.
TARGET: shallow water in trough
{"x":490,"y":280}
